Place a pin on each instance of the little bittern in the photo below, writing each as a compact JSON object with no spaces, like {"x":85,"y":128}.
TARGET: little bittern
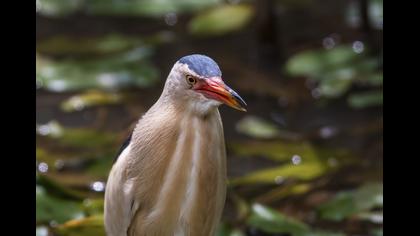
{"x":170,"y":175}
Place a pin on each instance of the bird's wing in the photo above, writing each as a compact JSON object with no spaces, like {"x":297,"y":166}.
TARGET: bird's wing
{"x":123,"y":146}
{"x":119,"y":195}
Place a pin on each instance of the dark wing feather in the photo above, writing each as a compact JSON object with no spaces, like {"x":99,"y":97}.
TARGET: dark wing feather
{"x":123,"y":146}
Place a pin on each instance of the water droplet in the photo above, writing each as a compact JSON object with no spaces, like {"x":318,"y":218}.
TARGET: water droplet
{"x":44,"y":130}
{"x":316,"y":93}
{"x":53,"y":223}
{"x":59,"y":164}
{"x":332,"y":162}
{"x":171,"y":19}
{"x":296,"y":159}
{"x":279,"y":179}
{"x":98,"y":186}
{"x":328,"y":42}
{"x":78,"y":103}
{"x":43,"y":167}
{"x":57,"y":85}
{"x":358,"y":47}
{"x":327,"y":132}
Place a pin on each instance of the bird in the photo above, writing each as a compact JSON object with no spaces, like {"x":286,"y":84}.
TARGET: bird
{"x":170,"y":175}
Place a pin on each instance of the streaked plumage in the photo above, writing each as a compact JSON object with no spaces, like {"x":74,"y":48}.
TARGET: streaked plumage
{"x":171,"y":177}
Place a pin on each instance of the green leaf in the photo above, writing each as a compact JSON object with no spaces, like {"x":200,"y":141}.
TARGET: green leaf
{"x":151,"y":8}
{"x":76,"y":137}
{"x":113,"y":72}
{"x":226,"y":230}
{"x":348,"y":203}
{"x":58,"y":7}
{"x":317,"y":62}
{"x":366,"y":99}
{"x":83,"y":46}
{"x":304,"y":171}
{"x":272,"y":221}
{"x":90,"y":99}
{"x":313,"y":160}
{"x":257,"y":127}
{"x":93,"y":206}
{"x":57,"y":190}
{"x":337,"y":82}
{"x":221,"y":20}
{"x":82,"y":227}
{"x":50,"y":208}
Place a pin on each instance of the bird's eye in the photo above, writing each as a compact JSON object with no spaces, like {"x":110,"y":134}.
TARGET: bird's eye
{"x":191,"y":80}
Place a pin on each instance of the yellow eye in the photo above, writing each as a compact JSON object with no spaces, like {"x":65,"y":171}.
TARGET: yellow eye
{"x":191,"y":80}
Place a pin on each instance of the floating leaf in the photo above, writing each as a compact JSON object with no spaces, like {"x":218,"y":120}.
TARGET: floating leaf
{"x":377,"y":232}
{"x":226,"y":230}
{"x":88,"y":226}
{"x":58,"y":7}
{"x":335,"y":85}
{"x":311,"y":162}
{"x":50,"y":208}
{"x":77,"y":137}
{"x":257,"y":127}
{"x":90,"y":99}
{"x":221,"y":20}
{"x":316,"y":62}
{"x":57,"y":190}
{"x":348,"y":203}
{"x":113,"y":72}
{"x":151,"y":8}
{"x":93,"y":206}
{"x":284,"y":151}
{"x":273,"y":222}
{"x":283,"y":191}
{"x":304,"y":171}
{"x":366,"y":99}
{"x":68,"y":45}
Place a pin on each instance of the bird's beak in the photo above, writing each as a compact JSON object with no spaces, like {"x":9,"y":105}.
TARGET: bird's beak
{"x":215,"y":88}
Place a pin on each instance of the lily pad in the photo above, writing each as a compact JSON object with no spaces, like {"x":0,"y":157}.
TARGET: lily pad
{"x":221,"y":20}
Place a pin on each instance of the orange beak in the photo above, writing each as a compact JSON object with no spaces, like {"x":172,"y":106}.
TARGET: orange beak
{"x":215,"y":88}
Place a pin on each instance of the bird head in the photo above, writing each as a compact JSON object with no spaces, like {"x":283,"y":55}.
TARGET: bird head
{"x":197,"y":80}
